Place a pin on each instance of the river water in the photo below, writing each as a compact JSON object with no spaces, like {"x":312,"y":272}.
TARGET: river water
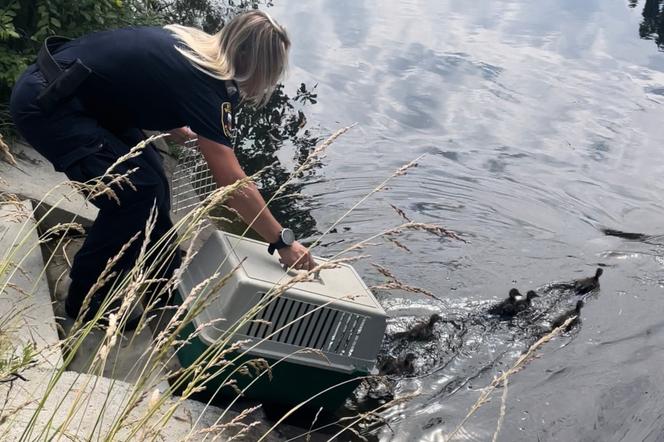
{"x":541,"y":123}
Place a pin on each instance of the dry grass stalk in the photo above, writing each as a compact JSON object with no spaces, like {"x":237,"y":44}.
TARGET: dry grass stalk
{"x":294,"y":195}
{"x":110,"y":338}
{"x":15,"y":287}
{"x":149,"y":227}
{"x":503,"y":409}
{"x":235,"y":423}
{"x":401,"y":213}
{"x":383,"y":271}
{"x":196,"y":292}
{"x":309,"y":275}
{"x":133,"y":152}
{"x":166,"y":334}
{"x":319,"y":151}
{"x":403,"y":169}
{"x":313,"y":422}
{"x":6,"y":414}
{"x":434,"y":229}
{"x":104,"y":277}
{"x":19,"y":213}
{"x":189,"y":255}
{"x":64,"y":228}
{"x":395,"y":284}
{"x":154,"y":399}
{"x":430,"y":228}
{"x":102,"y":186}
{"x":518,"y":365}
{"x":397,"y":243}
{"x":368,"y":417}
{"x":259,"y":366}
{"x":6,"y":152}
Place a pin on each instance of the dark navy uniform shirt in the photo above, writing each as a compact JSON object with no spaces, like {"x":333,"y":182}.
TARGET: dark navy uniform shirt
{"x":140,"y":80}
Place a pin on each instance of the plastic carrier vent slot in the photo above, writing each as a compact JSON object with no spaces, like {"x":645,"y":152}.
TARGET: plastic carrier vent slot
{"x":307,"y":325}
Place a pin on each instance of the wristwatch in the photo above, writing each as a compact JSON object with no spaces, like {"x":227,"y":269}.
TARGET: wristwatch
{"x":286,"y":239}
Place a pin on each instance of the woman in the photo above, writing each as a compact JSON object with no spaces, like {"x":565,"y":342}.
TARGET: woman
{"x":83,"y":103}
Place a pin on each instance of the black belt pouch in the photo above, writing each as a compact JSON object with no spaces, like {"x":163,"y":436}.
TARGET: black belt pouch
{"x":61,"y":83}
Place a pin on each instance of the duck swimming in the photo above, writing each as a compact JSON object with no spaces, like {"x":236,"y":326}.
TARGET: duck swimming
{"x":524,"y":303}
{"x":626,"y":235}
{"x":585,"y":285}
{"x":422,"y":331}
{"x":575,"y":312}
{"x":401,"y":365}
{"x":508,"y":306}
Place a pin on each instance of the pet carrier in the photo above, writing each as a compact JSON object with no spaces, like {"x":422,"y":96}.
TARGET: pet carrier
{"x":318,"y":336}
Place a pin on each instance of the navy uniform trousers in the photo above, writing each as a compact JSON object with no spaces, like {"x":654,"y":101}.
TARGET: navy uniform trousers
{"x":77,"y":144}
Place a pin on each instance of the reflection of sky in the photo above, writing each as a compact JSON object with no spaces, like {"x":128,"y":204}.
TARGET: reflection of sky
{"x":508,"y":71}
{"x":350,"y":21}
{"x":557,"y":97}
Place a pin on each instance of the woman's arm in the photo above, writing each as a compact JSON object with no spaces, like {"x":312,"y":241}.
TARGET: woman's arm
{"x":248,"y":202}
{"x":182,"y":134}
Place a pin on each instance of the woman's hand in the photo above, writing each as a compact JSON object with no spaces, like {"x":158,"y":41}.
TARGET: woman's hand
{"x":296,"y":256}
{"x":182,"y":134}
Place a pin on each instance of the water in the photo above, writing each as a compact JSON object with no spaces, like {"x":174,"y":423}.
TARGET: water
{"x":540,"y":123}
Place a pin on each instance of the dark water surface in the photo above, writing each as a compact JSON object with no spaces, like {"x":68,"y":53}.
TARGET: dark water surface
{"x":541,"y":123}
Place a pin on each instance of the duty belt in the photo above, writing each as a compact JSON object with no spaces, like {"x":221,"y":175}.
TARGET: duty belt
{"x":62,"y":83}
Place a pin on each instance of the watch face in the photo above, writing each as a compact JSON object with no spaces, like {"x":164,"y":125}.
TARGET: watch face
{"x":287,"y":236}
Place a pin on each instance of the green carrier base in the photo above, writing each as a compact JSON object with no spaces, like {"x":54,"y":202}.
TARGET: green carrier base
{"x":290,"y":384}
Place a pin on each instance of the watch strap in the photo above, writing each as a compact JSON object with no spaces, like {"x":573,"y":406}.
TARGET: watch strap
{"x":278,"y":244}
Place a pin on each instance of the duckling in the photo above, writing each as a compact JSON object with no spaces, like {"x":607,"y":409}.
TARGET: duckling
{"x":585,"y":285}
{"x":575,"y":312}
{"x":626,"y":235}
{"x":508,"y":306}
{"x":401,"y":365}
{"x":422,"y":331}
{"x":524,"y":303}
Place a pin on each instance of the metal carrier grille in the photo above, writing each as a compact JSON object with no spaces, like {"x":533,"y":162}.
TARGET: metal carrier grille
{"x":192,"y":180}
{"x":325,"y":329}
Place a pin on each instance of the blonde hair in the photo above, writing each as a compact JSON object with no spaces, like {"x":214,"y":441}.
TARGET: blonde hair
{"x":251,"y":49}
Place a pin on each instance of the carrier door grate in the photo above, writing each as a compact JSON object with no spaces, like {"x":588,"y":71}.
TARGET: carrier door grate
{"x":307,"y":325}
{"x":192,"y":180}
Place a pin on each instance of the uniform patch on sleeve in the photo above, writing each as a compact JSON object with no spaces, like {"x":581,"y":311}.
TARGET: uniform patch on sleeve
{"x":227,"y":120}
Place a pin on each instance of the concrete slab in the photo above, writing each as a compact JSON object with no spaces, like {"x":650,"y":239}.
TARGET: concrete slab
{"x":26,"y":312}
{"x":33,"y":177}
{"x":86,"y":407}
{"x":128,"y":358}
{"x":126,"y":362}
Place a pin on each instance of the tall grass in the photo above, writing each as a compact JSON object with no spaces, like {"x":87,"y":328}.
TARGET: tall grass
{"x":145,"y":408}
